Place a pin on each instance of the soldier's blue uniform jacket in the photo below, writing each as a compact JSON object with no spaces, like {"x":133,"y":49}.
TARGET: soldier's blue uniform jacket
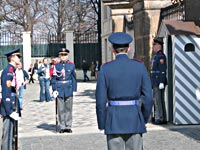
{"x":159,"y":67}
{"x":65,"y":83}
{"x":8,"y":81}
{"x":123,"y":79}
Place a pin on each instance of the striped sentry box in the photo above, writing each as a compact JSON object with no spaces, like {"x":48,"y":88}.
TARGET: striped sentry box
{"x":186,"y":80}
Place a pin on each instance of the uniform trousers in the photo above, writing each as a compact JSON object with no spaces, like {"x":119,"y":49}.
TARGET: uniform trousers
{"x":124,"y":141}
{"x":160,"y":112}
{"x":65,"y":112}
{"x":7,"y":134}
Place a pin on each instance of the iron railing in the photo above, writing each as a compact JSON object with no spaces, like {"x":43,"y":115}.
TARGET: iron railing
{"x":86,"y":37}
{"x":173,"y":12}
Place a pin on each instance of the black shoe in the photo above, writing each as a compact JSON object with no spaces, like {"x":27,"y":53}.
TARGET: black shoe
{"x":152,"y":120}
{"x":62,"y":131}
{"x":157,"y":122}
{"x":164,"y":122}
{"x":68,"y":130}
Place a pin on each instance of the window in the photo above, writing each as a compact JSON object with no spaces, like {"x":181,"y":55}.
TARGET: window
{"x":189,"y":47}
{"x":105,"y":15}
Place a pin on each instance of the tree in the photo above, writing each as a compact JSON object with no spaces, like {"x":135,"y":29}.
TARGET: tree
{"x":50,"y":16}
{"x":22,"y":15}
{"x":65,"y":15}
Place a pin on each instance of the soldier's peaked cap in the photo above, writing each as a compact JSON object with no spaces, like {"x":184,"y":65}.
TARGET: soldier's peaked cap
{"x":15,"y":51}
{"x":120,"y":38}
{"x":63,"y":51}
{"x":158,"y":40}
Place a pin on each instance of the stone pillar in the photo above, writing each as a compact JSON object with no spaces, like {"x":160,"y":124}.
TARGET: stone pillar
{"x":26,"y":50}
{"x":146,"y":17}
{"x":70,"y":44}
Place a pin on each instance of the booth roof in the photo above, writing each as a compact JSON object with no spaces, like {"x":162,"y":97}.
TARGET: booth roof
{"x":178,"y":27}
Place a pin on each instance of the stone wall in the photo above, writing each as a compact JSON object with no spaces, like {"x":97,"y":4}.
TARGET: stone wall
{"x":145,"y":15}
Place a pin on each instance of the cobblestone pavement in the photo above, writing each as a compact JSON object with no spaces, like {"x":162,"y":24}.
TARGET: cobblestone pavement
{"x":37,"y":126}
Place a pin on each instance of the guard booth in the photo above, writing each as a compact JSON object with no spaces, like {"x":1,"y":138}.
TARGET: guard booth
{"x":182,"y":49}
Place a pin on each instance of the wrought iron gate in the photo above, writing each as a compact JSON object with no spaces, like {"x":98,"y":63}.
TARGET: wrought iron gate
{"x":86,"y":47}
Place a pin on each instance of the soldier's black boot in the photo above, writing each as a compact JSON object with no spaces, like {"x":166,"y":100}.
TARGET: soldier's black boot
{"x":61,"y":131}
{"x":68,"y":130}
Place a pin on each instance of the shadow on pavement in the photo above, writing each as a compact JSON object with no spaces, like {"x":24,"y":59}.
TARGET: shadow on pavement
{"x":88,"y":93}
{"x":190,"y":132}
{"x":36,"y":100}
{"x":49,"y":127}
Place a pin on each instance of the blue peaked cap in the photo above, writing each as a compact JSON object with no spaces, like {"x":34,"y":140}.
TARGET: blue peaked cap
{"x":63,"y":51}
{"x":158,"y":40}
{"x":120,"y":38}
{"x":13,"y":52}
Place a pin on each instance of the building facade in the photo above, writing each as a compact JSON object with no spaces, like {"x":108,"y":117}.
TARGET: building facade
{"x":139,"y":18}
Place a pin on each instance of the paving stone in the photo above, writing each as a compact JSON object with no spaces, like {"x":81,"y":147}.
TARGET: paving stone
{"x":37,"y":126}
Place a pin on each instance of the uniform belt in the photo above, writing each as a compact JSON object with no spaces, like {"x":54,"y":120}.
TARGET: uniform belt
{"x":13,"y":94}
{"x":67,"y":81}
{"x":155,"y":71}
{"x":123,"y":103}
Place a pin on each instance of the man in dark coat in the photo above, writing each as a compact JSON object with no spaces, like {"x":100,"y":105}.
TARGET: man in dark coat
{"x":85,"y":68}
{"x":31,"y":72}
{"x":123,"y":97}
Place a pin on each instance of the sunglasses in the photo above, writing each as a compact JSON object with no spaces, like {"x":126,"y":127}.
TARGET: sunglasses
{"x":19,"y":56}
{"x":63,"y":54}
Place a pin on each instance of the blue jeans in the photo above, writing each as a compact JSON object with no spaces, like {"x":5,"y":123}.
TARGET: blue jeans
{"x":44,"y":89}
{"x":21,"y":91}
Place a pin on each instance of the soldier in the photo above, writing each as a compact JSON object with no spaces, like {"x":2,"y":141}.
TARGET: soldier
{"x":159,"y":80}
{"x":9,"y":110}
{"x":64,"y":84}
{"x":120,"y":86}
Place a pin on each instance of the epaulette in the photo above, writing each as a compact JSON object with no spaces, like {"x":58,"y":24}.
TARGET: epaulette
{"x":139,"y":60}
{"x":11,"y":70}
{"x":106,"y":62}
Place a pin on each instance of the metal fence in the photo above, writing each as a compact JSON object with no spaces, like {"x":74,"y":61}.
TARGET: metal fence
{"x":8,"y":41}
{"x":173,"y":12}
{"x":86,"y":47}
{"x":86,"y":37}
{"x":47,"y":45}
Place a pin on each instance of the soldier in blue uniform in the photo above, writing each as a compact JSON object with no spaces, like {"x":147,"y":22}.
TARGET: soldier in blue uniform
{"x":123,"y":97}
{"x":64,"y":84}
{"x":159,"y":80}
{"x":8,"y":108}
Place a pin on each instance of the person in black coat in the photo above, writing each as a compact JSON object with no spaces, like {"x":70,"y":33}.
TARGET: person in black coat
{"x":31,"y":73}
{"x":85,"y":68}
